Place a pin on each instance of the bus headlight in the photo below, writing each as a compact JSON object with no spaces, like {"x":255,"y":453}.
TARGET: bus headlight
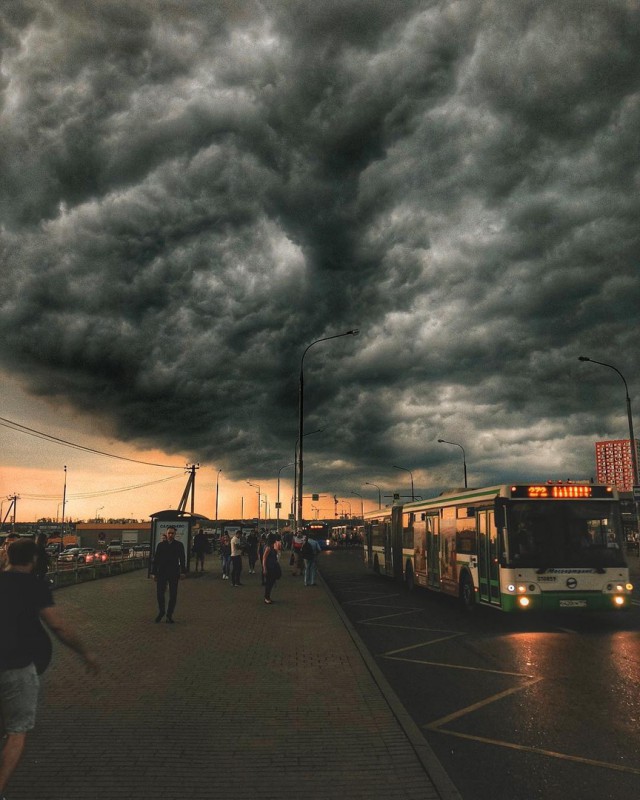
{"x":618,"y":600}
{"x":522,"y":588}
{"x":629,"y":587}
{"x":523,"y":601}
{"x":511,"y":588}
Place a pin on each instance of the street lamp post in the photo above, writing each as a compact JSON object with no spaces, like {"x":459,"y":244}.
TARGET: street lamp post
{"x":217,"y":492}
{"x":256,"y":486}
{"x":464,"y":457}
{"x":632,"y":441}
{"x":301,"y":417}
{"x":64,"y":497}
{"x":290,"y":464}
{"x":98,"y":509}
{"x":361,"y":504}
{"x":368,"y":483}
{"x":413,"y":497}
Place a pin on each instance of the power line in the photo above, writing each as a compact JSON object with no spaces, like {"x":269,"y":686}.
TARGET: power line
{"x":16,"y":426}
{"x":88,"y":495}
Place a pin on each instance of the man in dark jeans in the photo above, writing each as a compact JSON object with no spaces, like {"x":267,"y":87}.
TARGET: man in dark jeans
{"x":169,"y":565}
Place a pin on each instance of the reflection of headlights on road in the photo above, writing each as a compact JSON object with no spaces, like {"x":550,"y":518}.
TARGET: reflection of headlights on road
{"x":523,"y":601}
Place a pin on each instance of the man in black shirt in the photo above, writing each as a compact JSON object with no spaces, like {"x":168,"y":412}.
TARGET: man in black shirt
{"x":25,"y":648}
{"x":169,"y":565}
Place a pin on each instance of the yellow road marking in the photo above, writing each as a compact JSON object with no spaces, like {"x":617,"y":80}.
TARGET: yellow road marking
{"x":542,"y":752}
{"x":459,"y":666}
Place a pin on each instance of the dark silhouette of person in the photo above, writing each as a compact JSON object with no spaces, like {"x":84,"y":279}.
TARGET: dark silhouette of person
{"x":169,"y":565}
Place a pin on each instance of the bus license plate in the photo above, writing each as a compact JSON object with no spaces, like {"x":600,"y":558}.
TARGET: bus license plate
{"x":573,"y":604}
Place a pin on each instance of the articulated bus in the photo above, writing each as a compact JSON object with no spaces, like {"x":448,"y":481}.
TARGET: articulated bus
{"x":521,"y":547}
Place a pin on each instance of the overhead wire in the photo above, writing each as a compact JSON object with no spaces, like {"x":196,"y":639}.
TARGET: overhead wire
{"x":16,"y":426}
{"x":88,"y":495}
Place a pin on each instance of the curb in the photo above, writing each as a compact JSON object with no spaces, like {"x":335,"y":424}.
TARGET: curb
{"x":430,"y":762}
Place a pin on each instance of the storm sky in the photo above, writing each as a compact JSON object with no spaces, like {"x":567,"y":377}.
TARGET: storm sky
{"x":191,"y":192}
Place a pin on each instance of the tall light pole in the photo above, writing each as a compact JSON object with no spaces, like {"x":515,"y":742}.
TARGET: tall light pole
{"x":64,"y":496}
{"x":368,"y":483}
{"x":632,"y":441}
{"x":217,"y":491}
{"x":361,"y":504}
{"x":295,"y":469}
{"x":256,"y":486}
{"x":464,"y":457}
{"x":98,"y":509}
{"x":290,"y":464}
{"x":413,"y":497}
{"x":301,"y":417}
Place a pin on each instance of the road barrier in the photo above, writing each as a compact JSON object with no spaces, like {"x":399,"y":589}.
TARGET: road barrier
{"x":79,"y":573}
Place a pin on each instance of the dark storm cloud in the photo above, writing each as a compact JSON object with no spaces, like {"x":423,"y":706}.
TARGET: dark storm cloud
{"x":193,"y":192}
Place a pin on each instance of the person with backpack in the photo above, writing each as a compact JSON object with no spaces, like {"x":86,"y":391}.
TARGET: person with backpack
{"x":309,"y":552}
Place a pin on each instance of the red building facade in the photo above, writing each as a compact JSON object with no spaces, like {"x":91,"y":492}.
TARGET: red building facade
{"x":614,"y":464}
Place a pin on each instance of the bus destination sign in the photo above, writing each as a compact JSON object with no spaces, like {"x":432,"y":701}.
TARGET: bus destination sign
{"x":561,"y":491}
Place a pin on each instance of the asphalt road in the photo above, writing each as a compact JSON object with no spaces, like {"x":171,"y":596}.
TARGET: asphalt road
{"x":515,"y":707}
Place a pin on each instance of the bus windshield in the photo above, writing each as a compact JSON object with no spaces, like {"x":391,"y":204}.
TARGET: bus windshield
{"x":564,"y":534}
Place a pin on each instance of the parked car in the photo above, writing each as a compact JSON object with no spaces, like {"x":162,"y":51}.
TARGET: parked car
{"x":86,"y":555}
{"x":115,"y":549}
{"x":70,"y":554}
{"x":101,"y":556}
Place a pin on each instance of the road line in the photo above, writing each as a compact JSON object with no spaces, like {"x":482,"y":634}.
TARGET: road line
{"x":541,"y":752}
{"x":463,"y":712}
{"x":391,"y":653}
{"x":459,"y":666}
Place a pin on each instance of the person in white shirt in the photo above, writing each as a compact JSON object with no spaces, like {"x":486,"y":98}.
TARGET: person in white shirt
{"x":236,"y":558}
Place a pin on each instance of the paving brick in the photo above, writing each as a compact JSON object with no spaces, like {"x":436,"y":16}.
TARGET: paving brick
{"x":236,"y":700}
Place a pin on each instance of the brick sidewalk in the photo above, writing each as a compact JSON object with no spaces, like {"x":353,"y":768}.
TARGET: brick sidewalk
{"x":236,"y":700}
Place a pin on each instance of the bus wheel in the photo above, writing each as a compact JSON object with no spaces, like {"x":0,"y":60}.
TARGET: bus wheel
{"x":466,"y":593}
{"x":409,"y":579}
{"x":376,"y":565}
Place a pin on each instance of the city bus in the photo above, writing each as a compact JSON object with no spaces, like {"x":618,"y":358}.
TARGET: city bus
{"x":515,"y":547}
{"x":318,"y":530}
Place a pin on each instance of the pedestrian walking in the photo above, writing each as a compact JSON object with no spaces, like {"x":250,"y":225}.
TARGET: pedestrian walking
{"x":311,"y":549}
{"x":169,"y":565}
{"x":252,"y":550}
{"x":199,"y":548}
{"x":25,"y":649}
{"x":262,"y":544}
{"x":237,"y":546}
{"x":42,"y":562}
{"x":4,"y":558}
{"x":297,"y":561}
{"x":270,"y":566}
{"x":225,"y":556}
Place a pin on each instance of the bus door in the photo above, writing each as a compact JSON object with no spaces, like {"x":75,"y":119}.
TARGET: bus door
{"x":488,"y":558}
{"x":397,"y":532}
{"x":433,"y":550}
{"x":388,"y":557}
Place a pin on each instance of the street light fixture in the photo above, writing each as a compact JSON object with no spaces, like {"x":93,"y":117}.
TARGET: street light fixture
{"x":464,"y":457}
{"x":368,"y":483}
{"x":361,"y":504}
{"x":632,"y":441}
{"x":413,"y":497}
{"x":353,"y":332}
